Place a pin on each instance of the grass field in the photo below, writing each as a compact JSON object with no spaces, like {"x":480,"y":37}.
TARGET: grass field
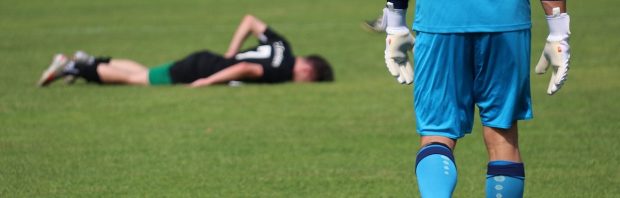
{"x":352,"y":138}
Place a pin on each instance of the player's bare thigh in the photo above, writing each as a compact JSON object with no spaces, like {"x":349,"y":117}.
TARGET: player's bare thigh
{"x":128,"y":65}
{"x":116,"y":72}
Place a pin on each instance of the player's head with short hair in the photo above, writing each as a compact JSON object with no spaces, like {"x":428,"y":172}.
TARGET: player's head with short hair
{"x":322,"y":70}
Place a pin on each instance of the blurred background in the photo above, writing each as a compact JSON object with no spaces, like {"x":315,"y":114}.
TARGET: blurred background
{"x":351,"y":138}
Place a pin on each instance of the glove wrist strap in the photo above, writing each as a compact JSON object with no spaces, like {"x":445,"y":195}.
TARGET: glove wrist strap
{"x":395,"y":17}
{"x":559,"y":26}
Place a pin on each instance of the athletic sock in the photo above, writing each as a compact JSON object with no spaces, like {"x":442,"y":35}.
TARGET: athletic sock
{"x":88,"y":69}
{"x":70,"y":69}
{"x":87,"y":72}
{"x":436,"y":171}
{"x":99,"y":60}
{"x":505,"y":179}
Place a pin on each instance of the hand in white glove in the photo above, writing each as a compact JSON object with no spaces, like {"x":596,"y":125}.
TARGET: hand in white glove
{"x":556,"y":52}
{"x":397,"y":46}
{"x":398,"y":43}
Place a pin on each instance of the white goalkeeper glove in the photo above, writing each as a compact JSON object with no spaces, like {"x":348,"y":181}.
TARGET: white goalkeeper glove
{"x":398,"y":43}
{"x":557,"y":51}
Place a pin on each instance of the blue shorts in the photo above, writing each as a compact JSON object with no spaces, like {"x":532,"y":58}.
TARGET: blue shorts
{"x":456,"y":72}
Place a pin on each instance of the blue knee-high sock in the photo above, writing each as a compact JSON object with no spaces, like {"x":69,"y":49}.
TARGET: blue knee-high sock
{"x":505,"y":179}
{"x":436,"y":171}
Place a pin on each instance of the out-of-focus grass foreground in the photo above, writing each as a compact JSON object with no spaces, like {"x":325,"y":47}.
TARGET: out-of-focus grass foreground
{"x":351,"y":138}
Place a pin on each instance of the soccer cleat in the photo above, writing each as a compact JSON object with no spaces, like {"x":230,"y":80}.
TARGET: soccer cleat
{"x":54,"y":71}
{"x":375,"y":25}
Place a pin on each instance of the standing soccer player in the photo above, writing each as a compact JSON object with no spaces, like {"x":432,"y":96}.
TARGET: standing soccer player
{"x":472,"y":53}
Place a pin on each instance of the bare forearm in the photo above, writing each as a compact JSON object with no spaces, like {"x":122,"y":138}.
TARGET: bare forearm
{"x":224,"y":76}
{"x":240,"y":35}
{"x":239,"y":71}
{"x":249,"y":24}
{"x":548,"y":6}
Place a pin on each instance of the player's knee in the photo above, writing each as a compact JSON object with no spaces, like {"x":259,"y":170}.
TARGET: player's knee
{"x":498,"y":137}
{"x":427,"y":140}
{"x":434,"y":148}
{"x":138,"y":79}
{"x":248,"y":17}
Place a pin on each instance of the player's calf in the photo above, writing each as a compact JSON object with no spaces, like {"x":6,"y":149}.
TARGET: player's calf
{"x":436,"y":170}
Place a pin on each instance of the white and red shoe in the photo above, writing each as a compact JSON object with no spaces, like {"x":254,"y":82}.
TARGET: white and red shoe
{"x":55,"y":71}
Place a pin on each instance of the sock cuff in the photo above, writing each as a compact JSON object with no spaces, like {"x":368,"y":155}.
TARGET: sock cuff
{"x":101,"y":59}
{"x":506,"y":168}
{"x":434,"y":148}
{"x":400,"y":4}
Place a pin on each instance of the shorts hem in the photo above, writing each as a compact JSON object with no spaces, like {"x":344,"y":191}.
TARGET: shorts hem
{"x":504,"y":126}
{"x":160,"y":75}
{"x":442,"y":134}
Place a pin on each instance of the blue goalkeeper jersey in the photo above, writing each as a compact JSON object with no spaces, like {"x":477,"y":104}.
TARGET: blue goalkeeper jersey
{"x":461,"y":16}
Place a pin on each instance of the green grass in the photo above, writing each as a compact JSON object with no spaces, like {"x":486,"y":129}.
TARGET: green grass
{"x":352,"y":138}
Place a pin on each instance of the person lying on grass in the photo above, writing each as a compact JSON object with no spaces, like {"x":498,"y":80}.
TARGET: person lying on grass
{"x":272,"y":61}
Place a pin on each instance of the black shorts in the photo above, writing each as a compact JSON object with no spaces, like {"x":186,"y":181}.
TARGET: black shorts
{"x":198,"y":65}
